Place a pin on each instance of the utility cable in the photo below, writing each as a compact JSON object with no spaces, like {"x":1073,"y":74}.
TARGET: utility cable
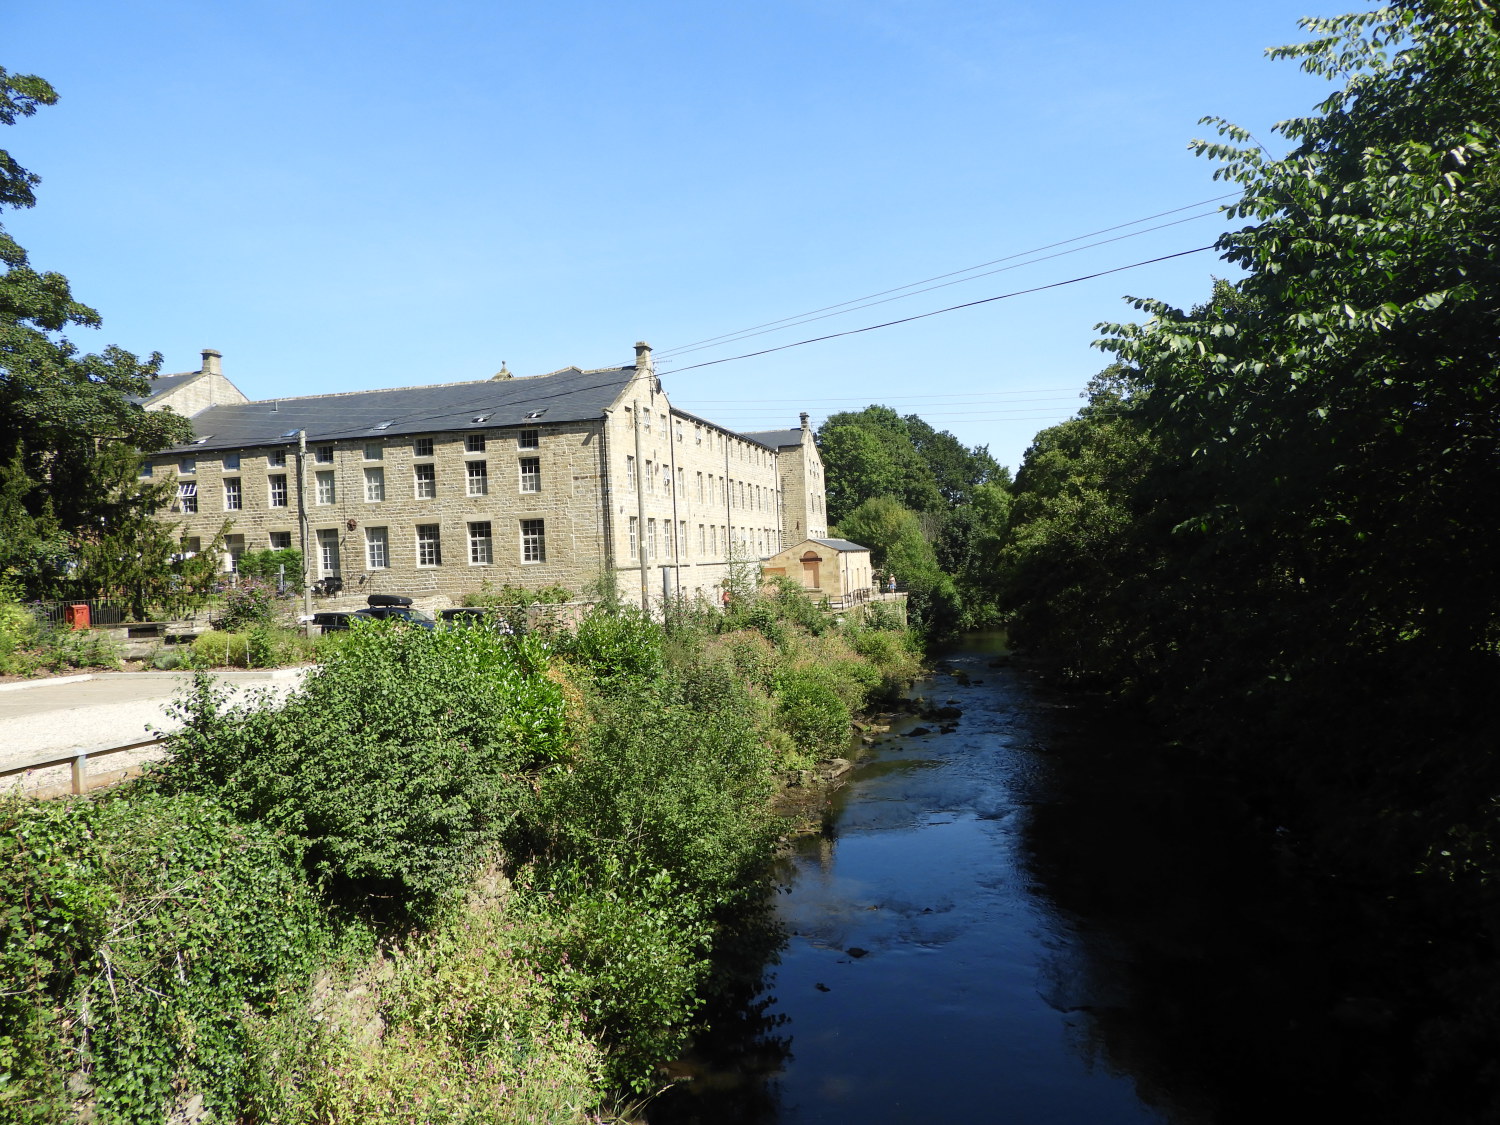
{"x":695,"y":345}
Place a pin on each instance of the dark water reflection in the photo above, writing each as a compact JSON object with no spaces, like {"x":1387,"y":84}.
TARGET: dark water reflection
{"x":1017,"y":921}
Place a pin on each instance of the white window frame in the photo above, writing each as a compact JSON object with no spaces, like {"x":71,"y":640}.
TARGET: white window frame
{"x":374,"y":451}
{"x":377,"y":548}
{"x":533,"y":542}
{"x":529,"y":439}
{"x":481,"y":543}
{"x":374,"y":484}
{"x":234,"y":494}
{"x":424,"y":487}
{"x":429,"y":547}
{"x":327,"y":487}
{"x":329,"y":563}
{"x":275,"y":493}
{"x":477,"y":478}
{"x":474,"y":443}
{"x":422,"y":447}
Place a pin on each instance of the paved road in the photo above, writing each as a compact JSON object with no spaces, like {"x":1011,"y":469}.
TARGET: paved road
{"x":108,"y":709}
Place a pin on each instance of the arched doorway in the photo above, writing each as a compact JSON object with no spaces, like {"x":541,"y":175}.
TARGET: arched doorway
{"x":810,"y":563}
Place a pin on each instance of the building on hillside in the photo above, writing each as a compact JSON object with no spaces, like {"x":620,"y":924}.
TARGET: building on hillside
{"x":826,"y":568}
{"x":433,"y":491}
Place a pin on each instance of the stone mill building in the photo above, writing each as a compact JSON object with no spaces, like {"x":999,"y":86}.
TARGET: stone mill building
{"x":434,"y":490}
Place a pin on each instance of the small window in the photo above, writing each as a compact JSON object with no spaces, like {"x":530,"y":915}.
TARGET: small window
{"x":650,"y":540}
{"x":325,"y":455}
{"x":281,"y":541}
{"x":374,"y":485}
{"x":679,"y":431}
{"x":422,"y":447}
{"x":232,"y":494}
{"x":630,"y":473}
{"x":478,"y":473}
{"x":377,"y":549}
{"x":531,"y":474}
{"x":529,"y":439}
{"x":187,"y":496}
{"x":276,"y":491}
{"x":232,"y":462}
{"x":191,"y":544}
{"x":326,"y":493}
{"x":481,"y":544}
{"x":533,"y":541}
{"x":635,"y":537}
{"x":666,"y":480}
{"x":276,"y":459}
{"x":374,"y":451}
{"x":426,"y":481}
{"x":188,"y":465}
{"x":145,"y":468}
{"x":429,"y":545}
{"x":697,"y":435}
{"x":650,"y":478}
{"x":646,"y":420}
{"x":473,"y":443}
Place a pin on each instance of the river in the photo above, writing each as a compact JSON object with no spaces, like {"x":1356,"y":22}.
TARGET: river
{"x":1011,"y":918}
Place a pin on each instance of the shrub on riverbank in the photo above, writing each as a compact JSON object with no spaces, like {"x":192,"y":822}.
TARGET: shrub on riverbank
{"x":297,"y":909}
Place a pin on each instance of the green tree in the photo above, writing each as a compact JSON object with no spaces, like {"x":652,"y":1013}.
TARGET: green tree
{"x":59,"y":409}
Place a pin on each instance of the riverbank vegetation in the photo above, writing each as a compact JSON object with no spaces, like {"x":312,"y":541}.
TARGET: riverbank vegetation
{"x":462,"y":875}
{"x":1275,"y":522}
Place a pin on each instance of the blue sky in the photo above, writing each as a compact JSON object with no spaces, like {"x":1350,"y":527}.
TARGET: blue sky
{"x":340,"y":196}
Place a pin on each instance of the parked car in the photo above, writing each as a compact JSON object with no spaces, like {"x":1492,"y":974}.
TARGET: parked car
{"x":380,"y":607}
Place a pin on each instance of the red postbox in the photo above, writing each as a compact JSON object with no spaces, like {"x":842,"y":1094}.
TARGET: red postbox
{"x":76,"y":616}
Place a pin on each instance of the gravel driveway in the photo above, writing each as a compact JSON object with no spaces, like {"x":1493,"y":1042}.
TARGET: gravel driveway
{"x":89,"y":713}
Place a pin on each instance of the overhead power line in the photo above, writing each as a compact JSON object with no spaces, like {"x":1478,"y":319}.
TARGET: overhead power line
{"x":860,"y":302}
{"x":950,"y":308}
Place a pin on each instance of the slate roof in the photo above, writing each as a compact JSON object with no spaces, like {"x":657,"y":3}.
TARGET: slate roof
{"x":569,"y":395}
{"x":698,"y":418}
{"x":164,"y":383}
{"x":840,"y":545}
{"x":776,"y":439}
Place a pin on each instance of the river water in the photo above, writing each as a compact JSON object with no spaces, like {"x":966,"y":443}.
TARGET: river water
{"x":1008,"y":921}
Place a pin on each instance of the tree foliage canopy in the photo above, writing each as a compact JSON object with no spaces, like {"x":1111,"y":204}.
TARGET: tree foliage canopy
{"x":59,"y":408}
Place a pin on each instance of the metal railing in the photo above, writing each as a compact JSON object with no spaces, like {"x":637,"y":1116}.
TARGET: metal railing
{"x":82,"y":782}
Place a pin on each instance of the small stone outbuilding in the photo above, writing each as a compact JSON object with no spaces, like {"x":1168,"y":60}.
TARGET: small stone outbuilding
{"x":830,"y":568}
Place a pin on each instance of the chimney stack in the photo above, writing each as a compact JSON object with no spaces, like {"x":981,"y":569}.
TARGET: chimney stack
{"x":804,"y":419}
{"x":211,"y":364}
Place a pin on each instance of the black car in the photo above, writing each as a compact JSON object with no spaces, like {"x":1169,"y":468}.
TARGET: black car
{"x":380,"y":607}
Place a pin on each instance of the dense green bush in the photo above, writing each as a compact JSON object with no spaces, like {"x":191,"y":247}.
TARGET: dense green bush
{"x":134,"y":933}
{"x":398,"y":762}
{"x":615,"y":645}
{"x":250,"y":602}
{"x":810,"y":710}
{"x":261,"y":646}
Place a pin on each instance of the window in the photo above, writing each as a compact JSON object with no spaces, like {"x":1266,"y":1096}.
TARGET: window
{"x":679,"y":431}
{"x":328,"y":551}
{"x":533,"y":541}
{"x":377,"y":548}
{"x":682,"y":538}
{"x":481,"y":546}
{"x":281,"y":541}
{"x":668,"y":540}
{"x":374,"y":451}
{"x":421,"y":447}
{"x":697,"y":435}
{"x":426,"y":481}
{"x":232,"y":494}
{"x":682,"y":483}
{"x":478,"y":474}
{"x":635,"y":538}
{"x":666,"y":480}
{"x":235,"y":545}
{"x":326,"y":493}
{"x":650,"y":539}
{"x":531,"y":474}
{"x":713,"y":538}
{"x":700,"y":487}
{"x":374,"y":485}
{"x":191,"y":544}
{"x":276,"y":458}
{"x":646,"y":420}
{"x":232,"y":462}
{"x":145,"y":468}
{"x":325,"y":455}
{"x":630,"y":473}
{"x":187,"y":496}
{"x":188,"y":465}
{"x":473,"y":443}
{"x":702,"y":540}
{"x":276,"y":490}
{"x":650,"y":478}
{"x":529,"y":439}
{"x":429,"y":545}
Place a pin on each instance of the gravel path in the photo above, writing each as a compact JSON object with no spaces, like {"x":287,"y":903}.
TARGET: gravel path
{"x":104,"y":710}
